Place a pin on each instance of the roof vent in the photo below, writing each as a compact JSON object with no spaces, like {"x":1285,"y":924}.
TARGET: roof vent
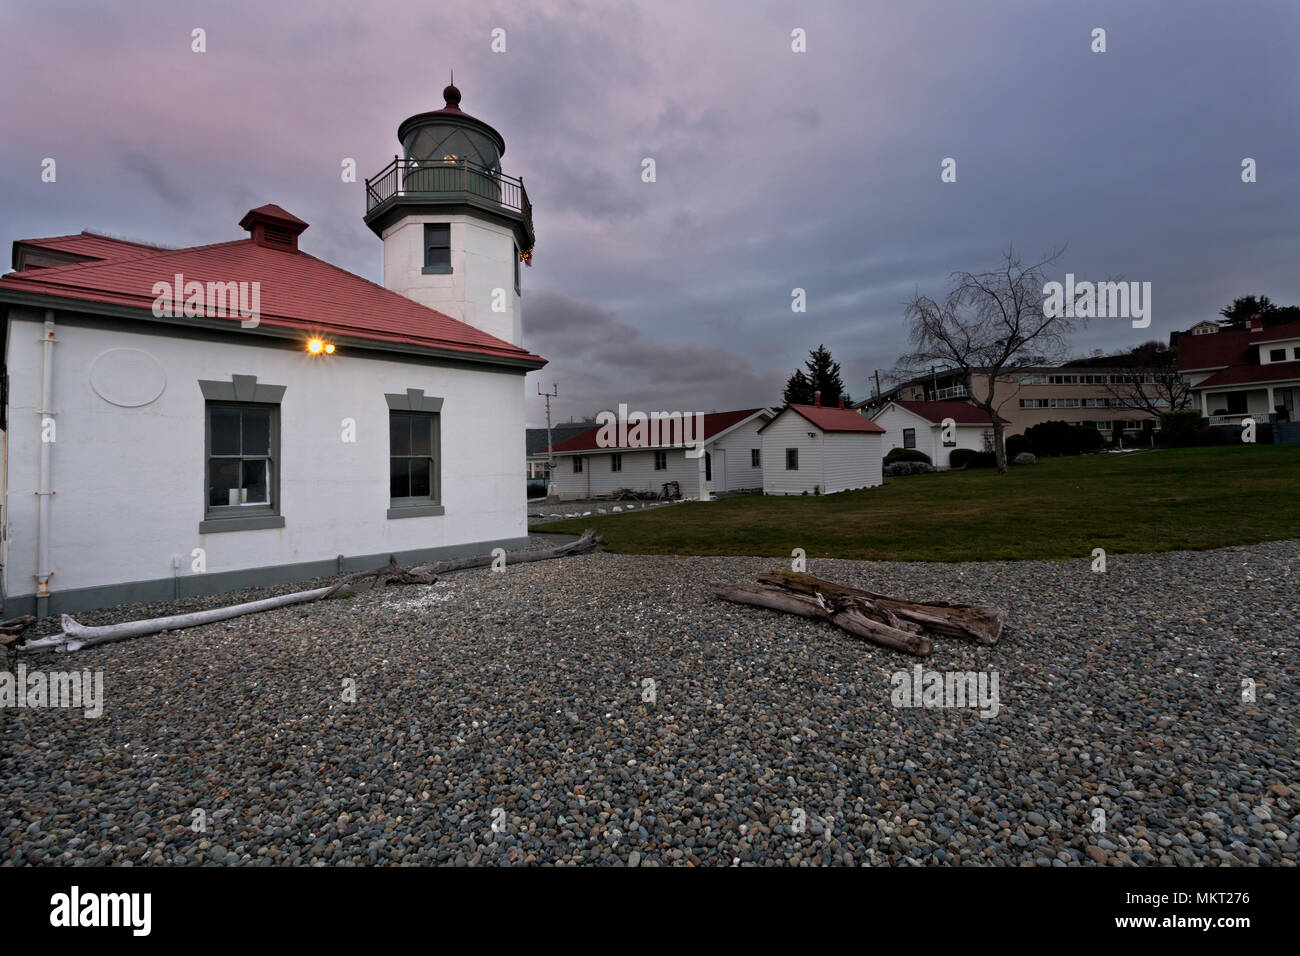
{"x":272,"y":227}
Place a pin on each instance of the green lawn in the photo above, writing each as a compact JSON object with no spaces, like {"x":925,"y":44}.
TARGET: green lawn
{"x":1191,"y":498}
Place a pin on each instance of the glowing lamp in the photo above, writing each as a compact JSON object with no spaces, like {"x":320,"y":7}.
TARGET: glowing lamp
{"x":315,"y":346}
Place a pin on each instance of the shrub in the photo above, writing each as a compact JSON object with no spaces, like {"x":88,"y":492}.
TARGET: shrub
{"x":1062,"y":438}
{"x":969,"y":458}
{"x":1018,"y":444}
{"x":1024,"y":458}
{"x":898,"y":469}
{"x":1210,"y":435}
{"x":1179,"y":428}
{"x":906,"y":454}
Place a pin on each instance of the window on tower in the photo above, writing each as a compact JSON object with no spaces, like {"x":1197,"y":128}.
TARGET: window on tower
{"x":437,"y":248}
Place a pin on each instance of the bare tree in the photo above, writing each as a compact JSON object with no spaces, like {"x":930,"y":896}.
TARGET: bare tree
{"x":992,"y":323}
{"x":1151,"y":382}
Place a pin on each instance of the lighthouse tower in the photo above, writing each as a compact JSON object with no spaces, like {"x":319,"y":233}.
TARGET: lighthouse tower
{"x":456,"y":230}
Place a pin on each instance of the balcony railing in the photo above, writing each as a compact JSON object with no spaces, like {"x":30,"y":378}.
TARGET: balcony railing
{"x":943,"y":394}
{"x":449,"y":178}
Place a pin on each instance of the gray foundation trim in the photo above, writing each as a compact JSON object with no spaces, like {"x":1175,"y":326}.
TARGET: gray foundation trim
{"x":413,"y":400}
{"x":251,"y":523}
{"x":416,"y":511}
{"x":161,"y":590}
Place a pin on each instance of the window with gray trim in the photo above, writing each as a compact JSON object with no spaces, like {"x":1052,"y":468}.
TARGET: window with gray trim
{"x":792,"y":459}
{"x":414,"y":454}
{"x":437,"y":248}
{"x":616,"y":462}
{"x":577,"y":464}
{"x":241,"y":455}
{"x":410,"y":457}
{"x":909,"y":437}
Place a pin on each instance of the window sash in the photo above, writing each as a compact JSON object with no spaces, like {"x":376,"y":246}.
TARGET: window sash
{"x":792,"y":459}
{"x":437,"y":246}
{"x":414,"y":449}
{"x":249,"y":464}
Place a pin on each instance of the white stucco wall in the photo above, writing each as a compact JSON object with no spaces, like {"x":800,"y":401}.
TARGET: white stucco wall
{"x":129,"y":482}
{"x":482,"y":260}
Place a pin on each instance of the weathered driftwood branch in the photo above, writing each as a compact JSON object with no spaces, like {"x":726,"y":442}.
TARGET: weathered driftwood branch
{"x":76,"y":636}
{"x":957,"y":620}
{"x":16,"y":625}
{"x":855,"y":615}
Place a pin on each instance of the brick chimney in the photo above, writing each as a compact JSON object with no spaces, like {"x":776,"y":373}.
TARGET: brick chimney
{"x":1257,"y":323}
{"x":841,"y":401}
{"x":817,"y":398}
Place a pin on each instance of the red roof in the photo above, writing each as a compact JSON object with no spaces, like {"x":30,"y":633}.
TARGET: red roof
{"x":963,"y":413}
{"x":714,"y":424}
{"x":1243,"y":374}
{"x":92,"y":245}
{"x":297,"y":291}
{"x":834,"y":419}
{"x":1228,"y":347}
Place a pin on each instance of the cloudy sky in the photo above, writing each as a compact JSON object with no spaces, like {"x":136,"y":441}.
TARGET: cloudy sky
{"x":775,"y":169}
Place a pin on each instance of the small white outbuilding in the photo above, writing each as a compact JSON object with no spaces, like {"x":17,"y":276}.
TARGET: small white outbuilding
{"x":811,"y":449}
{"x":935,"y":428}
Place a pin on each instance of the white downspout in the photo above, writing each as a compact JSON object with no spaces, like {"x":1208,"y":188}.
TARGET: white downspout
{"x":44,"y":493}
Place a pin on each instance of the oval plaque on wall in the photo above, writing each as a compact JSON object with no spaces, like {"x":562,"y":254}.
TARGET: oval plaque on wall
{"x":127,"y":377}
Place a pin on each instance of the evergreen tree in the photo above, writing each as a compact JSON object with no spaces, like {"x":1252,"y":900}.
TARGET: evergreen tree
{"x":820,"y":373}
{"x":1237,"y":315}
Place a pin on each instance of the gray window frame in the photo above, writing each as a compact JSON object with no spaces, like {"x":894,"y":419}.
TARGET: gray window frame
{"x":1277,"y":355}
{"x":436,"y":270}
{"x":414,"y":401}
{"x":616,"y":461}
{"x":909,"y":437}
{"x":577,"y":464}
{"x":792,"y":455}
{"x":756,"y":458}
{"x":242,"y":391}
{"x":661,"y":461}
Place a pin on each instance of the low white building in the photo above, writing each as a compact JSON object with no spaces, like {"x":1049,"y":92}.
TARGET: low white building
{"x":190,"y":421}
{"x":811,"y":449}
{"x":935,"y":428}
{"x":589,"y":465}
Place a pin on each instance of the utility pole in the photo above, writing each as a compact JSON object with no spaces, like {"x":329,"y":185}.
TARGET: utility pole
{"x":550,"y":456}
{"x":877,"y":383}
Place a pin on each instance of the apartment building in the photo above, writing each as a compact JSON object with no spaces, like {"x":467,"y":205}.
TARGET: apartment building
{"x":1080,"y":395}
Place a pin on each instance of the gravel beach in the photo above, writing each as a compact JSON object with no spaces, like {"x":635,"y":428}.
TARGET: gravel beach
{"x":606,"y":709}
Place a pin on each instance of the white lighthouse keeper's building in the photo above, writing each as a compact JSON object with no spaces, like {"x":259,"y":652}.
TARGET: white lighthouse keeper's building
{"x":269,"y":417}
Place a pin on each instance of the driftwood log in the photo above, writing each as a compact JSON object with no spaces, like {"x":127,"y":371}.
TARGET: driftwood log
{"x":956,"y":620}
{"x":856,"y":615}
{"x":76,"y":636}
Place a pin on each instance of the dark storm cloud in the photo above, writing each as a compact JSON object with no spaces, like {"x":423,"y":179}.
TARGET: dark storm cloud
{"x":154,"y":176}
{"x":775,"y":170}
